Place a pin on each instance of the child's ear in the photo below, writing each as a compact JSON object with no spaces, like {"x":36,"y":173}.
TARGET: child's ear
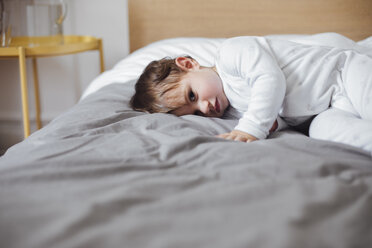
{"x":186,"y":64}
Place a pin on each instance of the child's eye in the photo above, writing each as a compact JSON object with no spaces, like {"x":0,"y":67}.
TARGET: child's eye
{"x":192,"y":97}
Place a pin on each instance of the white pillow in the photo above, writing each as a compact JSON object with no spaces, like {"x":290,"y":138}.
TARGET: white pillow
{"x":203,"y":50}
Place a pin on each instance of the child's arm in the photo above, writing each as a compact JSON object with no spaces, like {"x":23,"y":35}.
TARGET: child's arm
{"x":255,"y":77}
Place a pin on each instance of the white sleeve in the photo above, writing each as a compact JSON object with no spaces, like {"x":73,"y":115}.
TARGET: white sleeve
{"x":252,"y":60}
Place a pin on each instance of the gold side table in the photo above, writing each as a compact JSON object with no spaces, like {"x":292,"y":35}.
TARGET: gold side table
{"x":20,"y":48}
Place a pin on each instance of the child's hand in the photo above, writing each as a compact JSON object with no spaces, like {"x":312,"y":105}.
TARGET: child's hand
{"x":238,"y":136}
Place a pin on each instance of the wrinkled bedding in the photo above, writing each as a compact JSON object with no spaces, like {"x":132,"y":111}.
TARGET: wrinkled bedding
{"x":102,"y":175}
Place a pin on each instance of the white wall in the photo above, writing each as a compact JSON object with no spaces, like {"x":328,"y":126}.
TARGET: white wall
{"x":62,"y":79}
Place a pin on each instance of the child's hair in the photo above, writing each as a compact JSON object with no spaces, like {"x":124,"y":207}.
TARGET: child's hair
{"x":156,"y":87}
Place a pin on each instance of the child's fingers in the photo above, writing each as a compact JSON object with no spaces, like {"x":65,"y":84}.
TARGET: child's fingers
{"x":241,"y":138}
{"x":231,"y":136}
{"x":224,"y":135}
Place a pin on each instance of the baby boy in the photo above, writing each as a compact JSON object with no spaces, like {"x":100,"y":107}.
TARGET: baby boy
{"x":263,"y":79}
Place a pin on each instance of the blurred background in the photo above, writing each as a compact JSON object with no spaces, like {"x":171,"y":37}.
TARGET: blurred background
{"x":62,"y":79}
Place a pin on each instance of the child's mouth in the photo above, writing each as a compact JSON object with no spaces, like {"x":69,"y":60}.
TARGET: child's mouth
{"x":217,"y":106}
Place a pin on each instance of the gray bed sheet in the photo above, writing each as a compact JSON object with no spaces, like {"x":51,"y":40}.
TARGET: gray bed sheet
{"x":102,"y":175}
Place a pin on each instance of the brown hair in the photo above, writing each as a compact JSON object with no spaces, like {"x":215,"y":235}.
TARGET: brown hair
{"x":155,"y":86}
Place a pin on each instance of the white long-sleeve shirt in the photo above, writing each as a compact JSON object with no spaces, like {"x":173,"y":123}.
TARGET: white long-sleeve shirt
{"x":263,"y":78}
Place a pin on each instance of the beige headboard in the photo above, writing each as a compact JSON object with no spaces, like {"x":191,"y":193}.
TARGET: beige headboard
{"x":152,"y":20}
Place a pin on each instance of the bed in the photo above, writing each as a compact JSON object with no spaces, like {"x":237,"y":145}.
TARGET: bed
{"x":103,"y":175}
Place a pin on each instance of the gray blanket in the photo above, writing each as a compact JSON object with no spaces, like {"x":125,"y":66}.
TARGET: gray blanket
{"x":102,"y":175}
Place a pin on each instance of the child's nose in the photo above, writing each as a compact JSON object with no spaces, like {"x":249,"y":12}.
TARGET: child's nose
{"x":205,"y":107}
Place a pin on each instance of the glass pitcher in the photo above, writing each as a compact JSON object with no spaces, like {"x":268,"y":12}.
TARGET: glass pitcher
{"x":44,"y":21}
{"x":5,"y":27}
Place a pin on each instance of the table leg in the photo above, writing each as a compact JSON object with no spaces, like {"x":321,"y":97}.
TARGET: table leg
{"x":37,"y":93}
{"x":22,"y":70}
{"x":101,"y":59}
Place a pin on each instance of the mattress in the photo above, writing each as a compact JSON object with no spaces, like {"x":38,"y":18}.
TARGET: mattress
{"x":103,"y":175}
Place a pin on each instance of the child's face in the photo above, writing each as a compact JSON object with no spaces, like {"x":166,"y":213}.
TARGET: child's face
{"x":202,"y":89}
